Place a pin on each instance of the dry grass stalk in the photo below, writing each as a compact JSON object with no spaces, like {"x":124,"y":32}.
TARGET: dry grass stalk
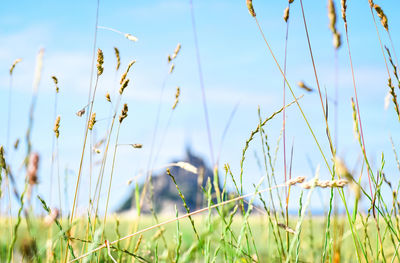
{"x":382,"y":16}
{"x":249,"y":4}
{"x":57,"y":126}
{"x":92,"y":121}
{"x":178,"y":92}
{"x":14,"y":64}
{"x":107,"y":243}
{"x":123,"y":86}
{"x":118,"y":58}
{"x":302,"y":85}
{"x":124,"y":113}
{"x":55,"y":80}
{"x":100,"y":62}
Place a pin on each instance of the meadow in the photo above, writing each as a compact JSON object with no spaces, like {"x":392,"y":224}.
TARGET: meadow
{"x":238,"y":220}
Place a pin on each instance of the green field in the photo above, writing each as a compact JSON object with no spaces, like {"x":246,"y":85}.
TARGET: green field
{"x":216,"y":244}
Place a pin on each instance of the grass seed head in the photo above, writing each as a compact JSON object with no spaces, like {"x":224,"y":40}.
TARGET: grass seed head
{"x":124,"y":113}
{"x":108,"y":98}
{"x":176,"y":51}
{"x":118,"y":58}
{"x":187,"y":167}
{"x":394,"y":97}
{"x":55,"y":80}
{"x":332,"y":24}
{"x":356,"y":129}
{"x":80,"y":112}
{"x":171,"y":69}
{"x":50,"y":218}
{"x":296,"y":180}
{"x":92,"y":121}
{"x":123,"y":86}
{"x":337,"y":40}
{"x":286,"y":228}
{"x":33,"y":165}
{"x":123,"y":77}
{"x":14,"y":64}
{"x":382,"y":16}
{"x":2,"y":159}
{"x":137,"y":145}
{"x":57,"y":126}
{"x":100,"y":61}
{"x":344,"y":9}
{"x":392,"y":63}
{"x":28,"y":247}
{"x":249,"y":4}
{"x":286,"y":14}
{"x":325,"y":184}
{"x":16,"y":144}
{"x":332,"y":16}
{"x":178,"y":92}
{"x":341,"y":170}
{"x":304,"y":86}
{"x":131,"y":37}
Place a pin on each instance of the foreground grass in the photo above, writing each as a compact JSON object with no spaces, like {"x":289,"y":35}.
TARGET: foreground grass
{"x":161,"y":244}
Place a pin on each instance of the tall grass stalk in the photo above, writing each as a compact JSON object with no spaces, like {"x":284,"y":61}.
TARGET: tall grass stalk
{"x":203,"y":92}
{"x":317,"y":81}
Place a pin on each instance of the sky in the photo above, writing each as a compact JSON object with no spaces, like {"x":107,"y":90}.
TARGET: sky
{"x":237,"y":70}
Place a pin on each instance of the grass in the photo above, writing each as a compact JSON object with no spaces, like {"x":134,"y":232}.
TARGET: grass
{"x":232,"y":226}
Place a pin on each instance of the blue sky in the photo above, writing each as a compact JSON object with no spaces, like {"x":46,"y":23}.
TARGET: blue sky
{"x":236,"y":69}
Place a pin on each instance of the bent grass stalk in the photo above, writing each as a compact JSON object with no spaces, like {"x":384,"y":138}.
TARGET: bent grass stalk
{"x":74,"y":204}
{"x":316,"y":79}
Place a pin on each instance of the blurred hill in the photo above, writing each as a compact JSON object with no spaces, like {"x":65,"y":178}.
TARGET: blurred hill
{"x":165,"y":194}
